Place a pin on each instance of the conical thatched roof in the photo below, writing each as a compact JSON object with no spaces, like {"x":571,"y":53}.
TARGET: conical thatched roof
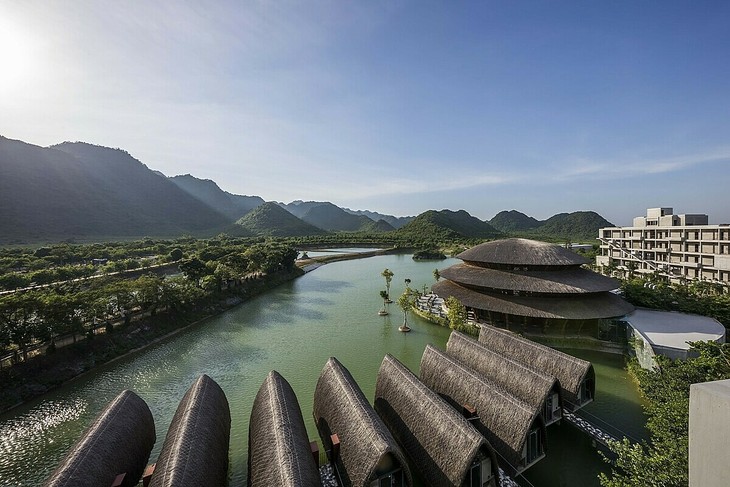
{"x":195,"y":451}
{"x":574,"y":307}
{"x":525,"y":383}
{"x":118,"y":441}
{"x":278,"y":445}
{"x":573,"y":280}
{"x":503,"y":419}
{"x":341,"y":408}
{"x":570,"y":371}
{"x":521,"y":252}
{"x":434,"y":436}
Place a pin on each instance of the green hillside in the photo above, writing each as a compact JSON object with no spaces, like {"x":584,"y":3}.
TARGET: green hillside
{"x":232,"y":205}
{"x":576,"y":226}
{"x":270,"y":219}
{"x":513,"y":221}
{"x":333,"y":218}
{"x":77,"y":190}
{"x":447,"y":224}
{"x":394,"y":221}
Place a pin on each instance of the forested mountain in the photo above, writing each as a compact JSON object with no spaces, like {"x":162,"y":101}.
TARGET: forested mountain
{"x":579,"y":225}
{"x":394,"y":221}
{"x":232,"y":205}
{"x":80,"y":190}
{"x":447,"y":224}
{"x":333,"y":218}
{"x":513,"y":221}
{"x":271,"y":219}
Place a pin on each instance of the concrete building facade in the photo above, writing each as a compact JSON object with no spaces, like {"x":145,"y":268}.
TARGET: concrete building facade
{"x":675,"y":246}
{"x":709,"y":434}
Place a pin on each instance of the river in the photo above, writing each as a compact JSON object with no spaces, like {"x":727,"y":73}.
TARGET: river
{"x":294,"y":328}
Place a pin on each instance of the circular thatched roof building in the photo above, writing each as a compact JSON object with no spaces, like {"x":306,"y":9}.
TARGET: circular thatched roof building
{"x":537,"y":284}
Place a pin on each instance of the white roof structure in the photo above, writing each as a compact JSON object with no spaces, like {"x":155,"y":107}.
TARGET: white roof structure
{"x":670,"y":329}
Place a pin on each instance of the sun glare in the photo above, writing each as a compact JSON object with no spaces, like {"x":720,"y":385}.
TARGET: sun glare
{"x":17,"y":50}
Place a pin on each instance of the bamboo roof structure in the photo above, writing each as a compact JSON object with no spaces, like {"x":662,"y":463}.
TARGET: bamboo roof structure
{"x":118,"y":441}
{"x":575,"y":307}
{"x":434,"y":436}
{"x":278,"y":445}
{"x":572,"y":280}
{"x":503,"y":419}
{"x":522,"y":381}
{"x":195,"y":451}
{"x":570,"y":371}
{"x":341,"y":408}
{"x":521,"y":252}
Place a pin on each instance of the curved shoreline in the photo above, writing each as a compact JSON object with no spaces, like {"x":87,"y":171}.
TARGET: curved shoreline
{"x":305,"y":266}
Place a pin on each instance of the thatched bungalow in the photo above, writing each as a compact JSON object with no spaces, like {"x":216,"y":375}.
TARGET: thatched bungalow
{"x":515,"y":429}
{"x":444,"y":447}
{"x":195,"y":451}
{"x":536,"y":388}
{"x":368,"y":455}
{"x":536,"y":286}
{"x":576,"y":376}
{"x":278,"y":446}
{"x":119,"y":441}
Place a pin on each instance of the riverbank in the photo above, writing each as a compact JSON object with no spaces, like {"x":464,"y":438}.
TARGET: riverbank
{"x":308,"y":265}
{"x":39,"y":375}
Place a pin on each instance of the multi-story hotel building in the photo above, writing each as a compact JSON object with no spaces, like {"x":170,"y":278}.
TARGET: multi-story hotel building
{"x":676,"y":246}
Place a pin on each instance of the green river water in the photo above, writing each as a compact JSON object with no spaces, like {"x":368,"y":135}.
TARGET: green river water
{"x":331,"y":311}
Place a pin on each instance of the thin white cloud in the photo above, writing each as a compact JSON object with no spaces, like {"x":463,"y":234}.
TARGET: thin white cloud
{"x":636,"y":166}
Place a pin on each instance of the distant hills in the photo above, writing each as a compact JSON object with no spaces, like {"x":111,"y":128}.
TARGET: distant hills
{"x":234,"y":206}
{"x":76,"y":190}
{"x":327,"y":216}
{"x":579,"y":225}
{"x":80,"y":190}
{"x":446,"y":224}
{"x":270,"y":219}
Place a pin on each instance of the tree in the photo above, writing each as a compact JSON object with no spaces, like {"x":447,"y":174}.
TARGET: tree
{"x":384,"y":295}
{"x":388,"y":275}
{"x":456,"y":313}
{"x":436,"y":275}
{"x":663,"y":461}
{"x":176,"y":254}
{"x":405,"y":302}
{"x":194,"y":269}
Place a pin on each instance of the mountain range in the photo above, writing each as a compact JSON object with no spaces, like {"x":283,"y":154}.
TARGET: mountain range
{"x":76,"y":190}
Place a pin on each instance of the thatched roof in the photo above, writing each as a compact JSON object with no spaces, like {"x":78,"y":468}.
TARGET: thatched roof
{"x":521,"y":252}
{"x":571,"y":280}
{"x":503,"y":419}
{"x":434,"y":436}
{"x":118,"y":441}
{"x":341,"y":408}
{"x":570,"y":371}
{"x":525,"y":383}
{"x":278,"y":445}
{"x":575,"y":307}
{"x":195,"y":451}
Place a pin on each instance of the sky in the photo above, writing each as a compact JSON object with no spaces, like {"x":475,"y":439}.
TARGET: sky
{"x":392,"y":106}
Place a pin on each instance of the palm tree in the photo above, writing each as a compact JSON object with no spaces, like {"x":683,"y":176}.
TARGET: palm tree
{"x":383,"y":311}
{"x":388,"y":275}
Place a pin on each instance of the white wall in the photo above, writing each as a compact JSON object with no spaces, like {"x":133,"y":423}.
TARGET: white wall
{"x":709,"y":434}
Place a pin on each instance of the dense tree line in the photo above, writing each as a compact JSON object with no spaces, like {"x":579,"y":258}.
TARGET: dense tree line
{"x":697,"y":297}
{"x":74,"y":309}
{"x":663,"y":460}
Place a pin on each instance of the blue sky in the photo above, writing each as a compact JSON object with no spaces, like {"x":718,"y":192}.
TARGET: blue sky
{"x":396,"y":107}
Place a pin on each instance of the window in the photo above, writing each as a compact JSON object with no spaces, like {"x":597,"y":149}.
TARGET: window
{"x":534,"y":447}
{"x":392,"y":479}
{"x":480,"y":474}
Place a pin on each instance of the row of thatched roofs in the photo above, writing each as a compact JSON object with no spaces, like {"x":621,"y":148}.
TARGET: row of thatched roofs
{"x":501,"y":381}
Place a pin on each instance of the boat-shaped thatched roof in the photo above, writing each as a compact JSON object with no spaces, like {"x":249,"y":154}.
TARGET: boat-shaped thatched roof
{"x":574,"y":307}
{"x":278,"y":445}
{"x":503,"y":419}
{"x":572,"y":280}
{"x":118,"y":441}
{"x":521,"y":252}
{"x":195,"y":451}
{"x":570,"y":371}
{"x":435,"y":437}
{"x":522,"y":381}
{"x":341,"y":408}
